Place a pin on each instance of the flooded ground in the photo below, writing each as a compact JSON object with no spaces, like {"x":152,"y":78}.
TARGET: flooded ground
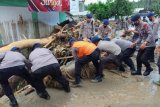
{"x":113,"y":91}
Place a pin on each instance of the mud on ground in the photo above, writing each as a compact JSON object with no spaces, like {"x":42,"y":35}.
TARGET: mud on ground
{"x":113,"y":91}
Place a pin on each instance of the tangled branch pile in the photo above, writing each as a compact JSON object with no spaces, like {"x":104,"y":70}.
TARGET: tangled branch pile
{"x":57,"y":43}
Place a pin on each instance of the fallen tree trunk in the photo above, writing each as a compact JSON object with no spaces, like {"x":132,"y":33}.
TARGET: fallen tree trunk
{"x":25,"y":43}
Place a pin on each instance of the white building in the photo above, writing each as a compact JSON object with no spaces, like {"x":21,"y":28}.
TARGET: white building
{"x":77,"y":7}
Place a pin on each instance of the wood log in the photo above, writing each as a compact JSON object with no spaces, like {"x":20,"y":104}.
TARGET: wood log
{"x":46,"y":46}
{"x":68,"y":57}
{"x":25,"y":43}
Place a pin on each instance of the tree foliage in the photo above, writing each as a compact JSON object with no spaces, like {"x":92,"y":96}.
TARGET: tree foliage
{"x":111,"y":8}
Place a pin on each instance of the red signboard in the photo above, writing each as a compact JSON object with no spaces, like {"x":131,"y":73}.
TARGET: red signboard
{"x":48,"y":5}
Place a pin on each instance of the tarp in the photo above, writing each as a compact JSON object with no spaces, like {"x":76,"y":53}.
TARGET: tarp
{"x":48,"y":5}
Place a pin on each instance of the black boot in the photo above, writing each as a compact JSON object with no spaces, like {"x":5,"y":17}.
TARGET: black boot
{"x":148,"y":71}
{"x":121,"y":68}
{"x":13,"y":101}
{"x":138,"y":72}
{"x":44,"y":95}
{"x":66,"y":87}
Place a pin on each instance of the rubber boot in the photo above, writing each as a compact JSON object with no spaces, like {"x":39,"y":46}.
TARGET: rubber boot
{"x":148,"y":71}
{"x":13,"y":101}
{"x":67,"y":87}
{"x":44,"y":95}
{"x":138,"y":72}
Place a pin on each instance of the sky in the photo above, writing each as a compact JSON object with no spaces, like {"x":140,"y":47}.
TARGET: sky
{"x":93,"y":1}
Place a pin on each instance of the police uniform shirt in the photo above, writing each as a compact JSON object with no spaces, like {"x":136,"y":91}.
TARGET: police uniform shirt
{"x":123,"y":44}
{"x":12,"y":59}
{"x":87,"y":29}
{"x":2,"y":54}
{"x":102,"y":31}
{"x":110,"y":47}
{"x":145,"y":34}
{"x":41,"y":57}
{"x":155,"y":25}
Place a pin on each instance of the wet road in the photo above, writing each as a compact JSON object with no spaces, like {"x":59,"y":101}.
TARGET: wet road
{"x":114,"y":91}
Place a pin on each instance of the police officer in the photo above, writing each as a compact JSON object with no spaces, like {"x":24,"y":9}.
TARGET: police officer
{"x":87,"y":27}
{"x":43,"y":64}
{"x":84,"y":52}
{"x":111,"y":53}
{"x":154,"y":25}
{"x":127,"y":52}
{"x":124,"y":23}
{"x":12,"y":63}
{"x":147,"y":40}
{"x":104,"y":29}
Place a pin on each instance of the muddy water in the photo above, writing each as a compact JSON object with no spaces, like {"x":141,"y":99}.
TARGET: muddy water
{"x":114,"y":91}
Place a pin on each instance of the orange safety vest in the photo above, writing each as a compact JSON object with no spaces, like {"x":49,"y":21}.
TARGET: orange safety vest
{"x":84,"y":48}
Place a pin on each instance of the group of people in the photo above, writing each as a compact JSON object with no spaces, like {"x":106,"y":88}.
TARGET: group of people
{"x":101,"y":49}
{"x":93,"y":46}
{"x":41,"y":62}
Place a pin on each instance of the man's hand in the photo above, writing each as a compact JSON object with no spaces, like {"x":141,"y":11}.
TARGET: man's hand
{"x":134,"y":31}
{"x":157,"y":50}
{"x":104,"y":54}
{"x":130,"y":30}
{"x":133,"y":45}
{"x":143,"y":45}
{"x":106,"y":33}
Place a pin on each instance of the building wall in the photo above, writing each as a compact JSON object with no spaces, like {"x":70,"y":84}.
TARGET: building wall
{"x":17,"y":23}
{"x":77,"y":7}
{"x":12,"y":13}
{"x":74,"y":5}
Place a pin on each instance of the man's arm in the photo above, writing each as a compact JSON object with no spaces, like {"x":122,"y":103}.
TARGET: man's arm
{"x":155,"y":29}
{"x":150,"y":34}
{"x":134,"y":31}
{"x":2,"y":55}
{"x":81,"y":29}
{"x":93,"y":28}
{"x":99,"y":30}
{"x":109,"y":31}
{"x":74,"y":53}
